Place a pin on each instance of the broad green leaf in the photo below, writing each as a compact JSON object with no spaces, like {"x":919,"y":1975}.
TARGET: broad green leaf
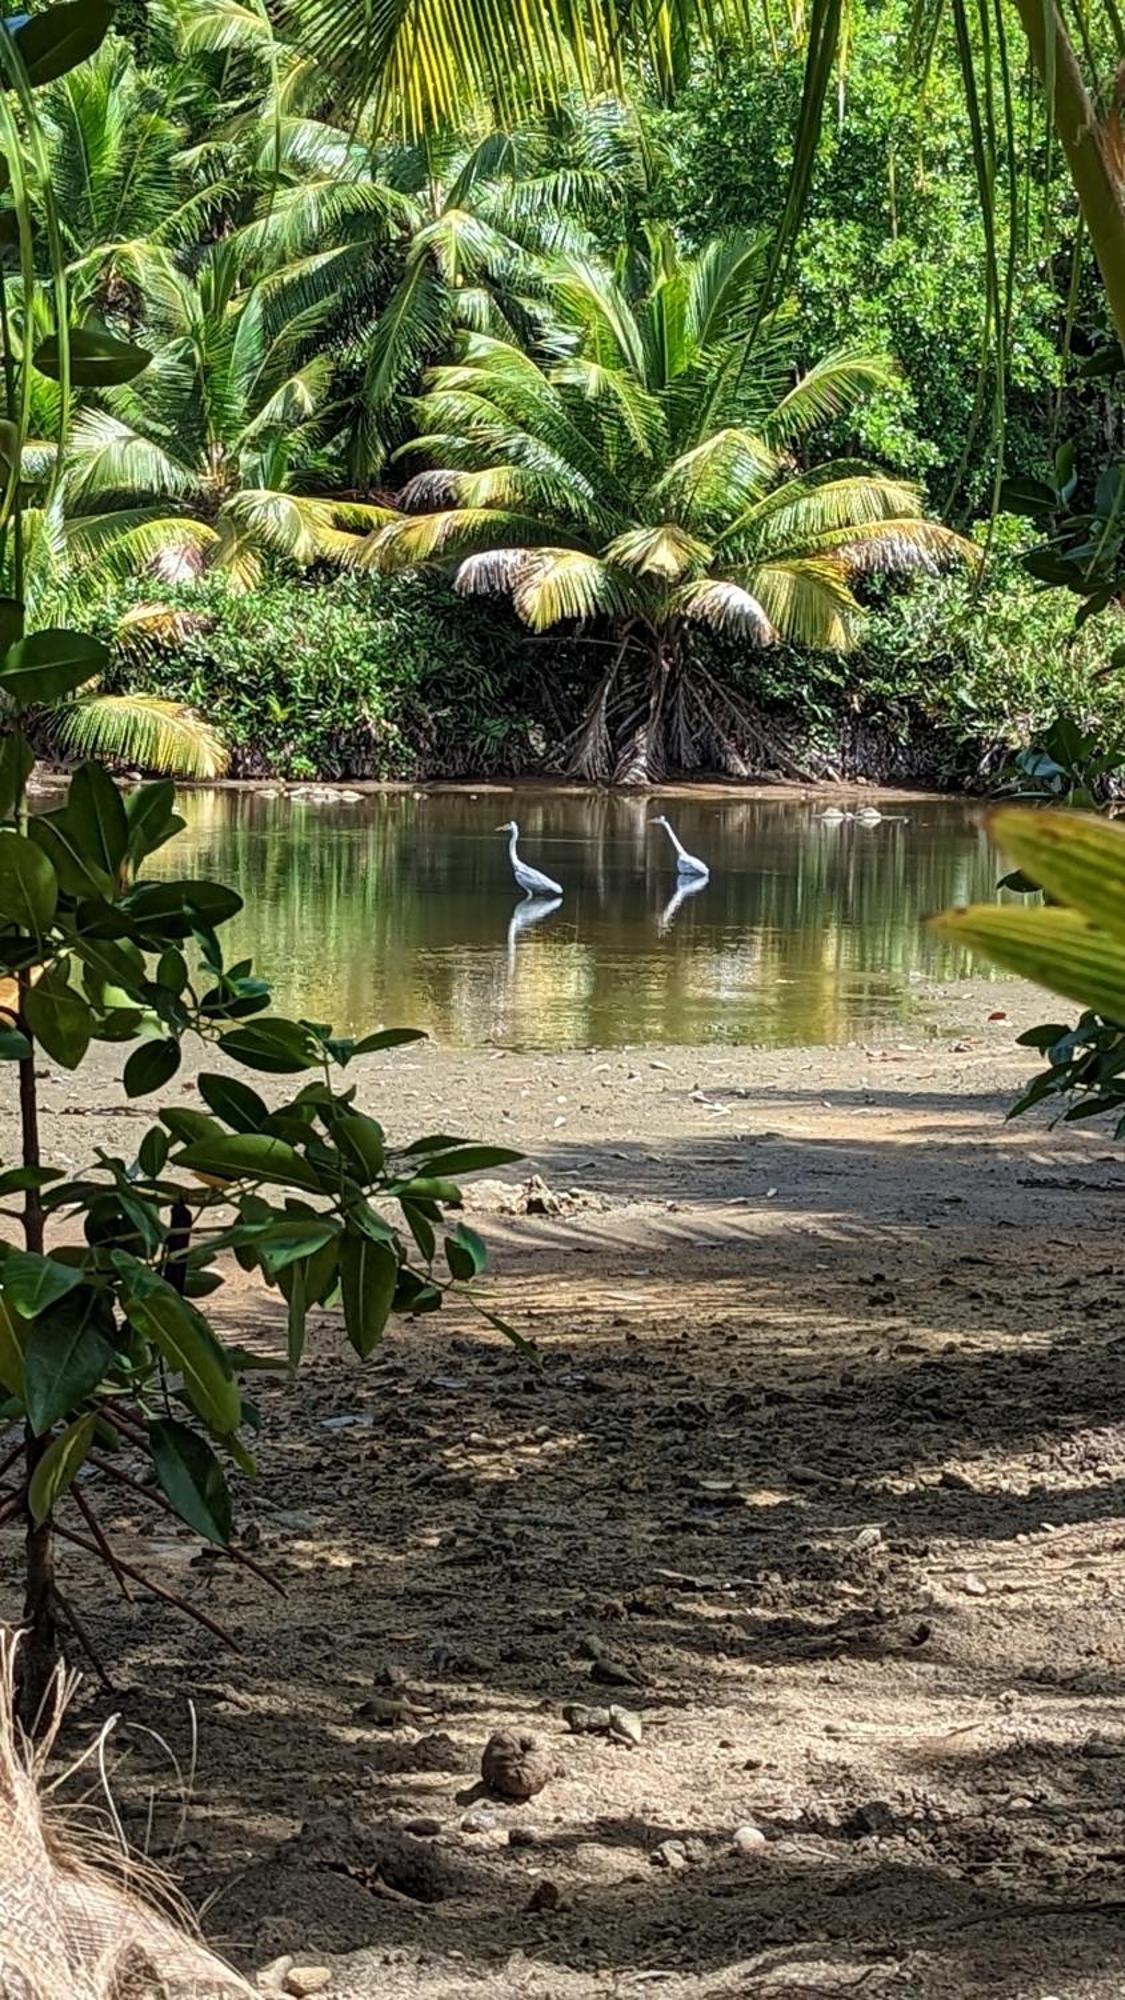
{"x":465,"y":1252}
{"x":66,"y":1356}
{"x":297,"y":1318}
{"x":13,"y":1334}
{"x":426,"y":1188}
{"x":31,"y":1283}
{"x":13,"y":1179}
{"x":14,"y":1047}
{"x":172,"y":970}
{"x":59,"y":1018}
{"x":361,"y":1142}
{"x":293,"y":1240}
{"x":29,"y":887}
{"x":235,"y":1103}
{"x":12,"y":618}
{"x":96,"y":813}
{"x":1058,"y":949}
{"x":49,"y":664}
{"x":17,"y":761}
{"x":187,"y":1126}
{"x":169,"y":910}
{"x":434,"y":1142}
{"x":79,"y":875}
{"x":470,"y":1160}
{"x":250,"y":1156}
{"x":271,"y":1043}
{"x":59,"y":38}
{"x":151,"y":1066}
{"x":150,"y":816}
{"x":191,"y":1478}
{"x":186,"y":1341}
{"x":153,"y":1152}
{"x":98,"y":360}
{"x":59,"y":1464}
{"x":388,"y":1038}
{"x":118,"y":969}
{"x":369,"y":1274}
{"x":421,"y":1228}
{"x":1077,"y":857}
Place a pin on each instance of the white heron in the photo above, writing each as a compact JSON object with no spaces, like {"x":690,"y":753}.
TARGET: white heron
{"x":869,"y":816}
{"x":528,"y":879}
{"x":834,"y":815}
{"x":687,"y":886}
{"x":688,"y":865}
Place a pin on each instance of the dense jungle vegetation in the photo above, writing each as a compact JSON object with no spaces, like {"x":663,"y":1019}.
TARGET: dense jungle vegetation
{"x":502,"y":448}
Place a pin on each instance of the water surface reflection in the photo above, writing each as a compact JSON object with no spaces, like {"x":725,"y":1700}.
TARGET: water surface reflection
{"x":403,"y":909}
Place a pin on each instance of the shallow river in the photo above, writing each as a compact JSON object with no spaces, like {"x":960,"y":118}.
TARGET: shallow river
{"x":401,"y":909}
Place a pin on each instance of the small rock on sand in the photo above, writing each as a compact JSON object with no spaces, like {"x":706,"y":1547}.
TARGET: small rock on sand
{"x":305,"y":1979}
{"x":516,"y":1764}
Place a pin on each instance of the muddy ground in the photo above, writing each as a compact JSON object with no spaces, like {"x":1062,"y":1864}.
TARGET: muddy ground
{"x":826,"y":1455}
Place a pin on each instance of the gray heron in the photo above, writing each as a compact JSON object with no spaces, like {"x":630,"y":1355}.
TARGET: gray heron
{"x":528,"y":879}
{"x":688,"y":865}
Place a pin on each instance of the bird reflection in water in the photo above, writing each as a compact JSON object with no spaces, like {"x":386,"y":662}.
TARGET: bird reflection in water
{"x":689,"y":886}
{"x":531,"y":911}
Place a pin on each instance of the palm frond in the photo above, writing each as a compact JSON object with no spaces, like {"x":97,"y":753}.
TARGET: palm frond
{"x":666,"y":551}
{"x":806,"y":600}
{"x":415,"y":539}
{"x":558,"y":586}
{"x":726,"y":607}
{"x":145,"y":730}
{"x":825,"y":391}
{"x":106,"y":455}
{"x":145,"y":625}
{"x":900,"y":547}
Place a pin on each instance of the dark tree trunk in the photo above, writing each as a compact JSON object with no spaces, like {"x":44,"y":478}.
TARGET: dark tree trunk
{"x":39,"y":1653}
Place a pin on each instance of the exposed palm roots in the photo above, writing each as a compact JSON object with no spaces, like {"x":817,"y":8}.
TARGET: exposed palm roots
{"x":649,"y":715}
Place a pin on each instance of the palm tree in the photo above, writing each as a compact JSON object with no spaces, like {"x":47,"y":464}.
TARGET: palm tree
{"x":209,"y":456}
{"x":650,"y":481}
{"x":113,"y":154}
{"x":434,"y":236}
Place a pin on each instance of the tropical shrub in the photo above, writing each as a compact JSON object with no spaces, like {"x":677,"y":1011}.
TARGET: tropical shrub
{"x":338,"y":676}
{"x":651,"y":480}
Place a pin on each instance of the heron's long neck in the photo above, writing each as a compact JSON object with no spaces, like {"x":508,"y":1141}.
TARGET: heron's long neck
{"x":512,"y":839}
{"x":675,"y":839}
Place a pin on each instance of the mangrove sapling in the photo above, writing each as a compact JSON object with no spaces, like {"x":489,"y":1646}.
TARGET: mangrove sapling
{"x":107,"y":1356}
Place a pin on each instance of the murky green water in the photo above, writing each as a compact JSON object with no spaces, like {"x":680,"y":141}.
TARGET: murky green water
{"x":401,"y":909}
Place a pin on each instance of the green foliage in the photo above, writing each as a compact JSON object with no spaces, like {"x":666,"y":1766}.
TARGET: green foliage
{"x":892,"y":247}
{"x":106,"y":1335}
{"x":654,"y":479}
{"x":348,"y":676}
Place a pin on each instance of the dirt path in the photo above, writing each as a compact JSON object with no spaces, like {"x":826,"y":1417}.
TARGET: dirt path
{"x":827,"y":1449}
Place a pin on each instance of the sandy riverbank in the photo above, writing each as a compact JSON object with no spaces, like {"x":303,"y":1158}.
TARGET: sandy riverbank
{"x":827,"y":1449}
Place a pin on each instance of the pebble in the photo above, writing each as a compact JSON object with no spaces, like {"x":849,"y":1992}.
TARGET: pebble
{"x":522,"y":1836}
{"x":748,"y":1839}
{"x":272,"y":1977}
{"x":867,"y":1538}
{"x":544,"y":1896}
{"x":670,"y":1854}
{"x":480,"y":1820}
{"x":303,"y":1979}
{"x":424,"y":1828}
{"x":975,"y":1586}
